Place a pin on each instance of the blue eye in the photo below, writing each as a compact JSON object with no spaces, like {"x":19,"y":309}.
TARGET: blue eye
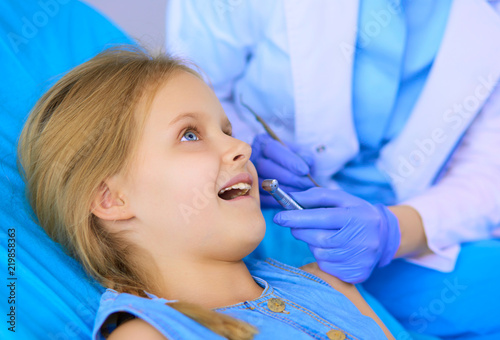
{"x":189,"y":136}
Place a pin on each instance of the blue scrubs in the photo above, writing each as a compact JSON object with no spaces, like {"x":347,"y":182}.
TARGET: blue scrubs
{"x":386,"y":86}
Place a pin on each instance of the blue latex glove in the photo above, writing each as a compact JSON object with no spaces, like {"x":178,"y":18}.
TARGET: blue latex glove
{"x":348,"y":236}
{"x":289,"y":166}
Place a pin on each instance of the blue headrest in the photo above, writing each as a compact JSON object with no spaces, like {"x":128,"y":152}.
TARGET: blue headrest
{"x":45,"y":292}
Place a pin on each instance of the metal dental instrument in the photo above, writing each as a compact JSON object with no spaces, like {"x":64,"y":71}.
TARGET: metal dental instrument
{"x":270,"y":131}
{"x":272,"y":187}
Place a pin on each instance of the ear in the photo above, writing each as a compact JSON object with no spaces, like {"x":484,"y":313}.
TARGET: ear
{"x":108,"y":205}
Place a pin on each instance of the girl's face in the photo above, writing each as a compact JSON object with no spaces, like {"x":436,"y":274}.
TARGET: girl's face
{"x":185,"y":157}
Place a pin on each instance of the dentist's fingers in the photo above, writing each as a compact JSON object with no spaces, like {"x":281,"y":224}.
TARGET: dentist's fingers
{"x":343,"y":263}
{"x":306,"y":155}
{"x":321,"y":218}
{"x":344,"y":270}
{"x":284,"y":157}
{"x":267,"y":168}
{"x":325,"y":198}
{"x":322,"y":238}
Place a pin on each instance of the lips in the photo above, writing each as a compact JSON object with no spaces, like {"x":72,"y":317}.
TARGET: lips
{"x":238,"y":186}
{"x":244,"y":177}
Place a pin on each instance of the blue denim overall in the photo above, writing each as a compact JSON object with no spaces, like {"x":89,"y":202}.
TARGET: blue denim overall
{"x":312,"y":309}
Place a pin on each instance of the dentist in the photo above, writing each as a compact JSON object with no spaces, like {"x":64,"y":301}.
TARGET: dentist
{"x":395,"y":110}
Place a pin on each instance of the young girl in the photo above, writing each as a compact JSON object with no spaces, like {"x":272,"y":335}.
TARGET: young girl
{"x":129,"y":163}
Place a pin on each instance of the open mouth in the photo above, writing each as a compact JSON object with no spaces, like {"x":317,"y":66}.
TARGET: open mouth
{"x":234,"y":191}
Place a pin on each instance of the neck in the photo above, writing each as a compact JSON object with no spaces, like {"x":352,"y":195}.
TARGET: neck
{"x":209,"y":283}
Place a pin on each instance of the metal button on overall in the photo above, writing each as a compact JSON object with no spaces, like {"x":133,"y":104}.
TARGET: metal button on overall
{"x":335,"y":334}
{"x":276,"y":305}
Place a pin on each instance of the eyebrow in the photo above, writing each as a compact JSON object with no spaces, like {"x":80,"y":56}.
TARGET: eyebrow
{"x":183,"y":116}
{"x":226,"y":125}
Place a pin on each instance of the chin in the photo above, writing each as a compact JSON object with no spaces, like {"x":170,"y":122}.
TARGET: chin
{"x":258,"y":232}
{"x":248,"y":238}
{"x":256,"y":223}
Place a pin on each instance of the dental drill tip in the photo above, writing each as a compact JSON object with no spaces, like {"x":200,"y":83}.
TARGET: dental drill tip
{"x":270,"y":185}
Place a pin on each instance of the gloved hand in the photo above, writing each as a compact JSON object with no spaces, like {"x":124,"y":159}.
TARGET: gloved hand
{"x":273,"y":160}
{"x":348,"y":236}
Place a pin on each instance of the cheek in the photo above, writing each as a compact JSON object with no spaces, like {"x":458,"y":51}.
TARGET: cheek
{"x":193,"y":180}
{"x":183,"y":188}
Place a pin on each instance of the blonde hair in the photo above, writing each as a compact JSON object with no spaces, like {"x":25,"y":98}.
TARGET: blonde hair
{"x":82,"y":131}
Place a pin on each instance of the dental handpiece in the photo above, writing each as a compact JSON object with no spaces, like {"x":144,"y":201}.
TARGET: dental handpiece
{"x":272,"y":187}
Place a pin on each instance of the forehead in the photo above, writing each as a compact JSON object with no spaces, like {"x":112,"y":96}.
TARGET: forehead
{"x":183,"y":93}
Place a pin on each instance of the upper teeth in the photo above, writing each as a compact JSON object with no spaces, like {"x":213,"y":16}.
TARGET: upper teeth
{"x":237,"y":186}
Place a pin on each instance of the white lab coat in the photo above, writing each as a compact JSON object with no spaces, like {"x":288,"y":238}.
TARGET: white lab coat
{"x":454,"y":126}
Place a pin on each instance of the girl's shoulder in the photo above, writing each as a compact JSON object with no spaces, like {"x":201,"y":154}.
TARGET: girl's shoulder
{"x":136,"y":329}
{"x":114,"y":307}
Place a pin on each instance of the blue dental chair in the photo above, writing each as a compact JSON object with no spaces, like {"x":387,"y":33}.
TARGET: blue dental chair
{"x":43,"y":293}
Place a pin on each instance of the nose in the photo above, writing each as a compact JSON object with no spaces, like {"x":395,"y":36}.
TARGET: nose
{"x":238,"y":151}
